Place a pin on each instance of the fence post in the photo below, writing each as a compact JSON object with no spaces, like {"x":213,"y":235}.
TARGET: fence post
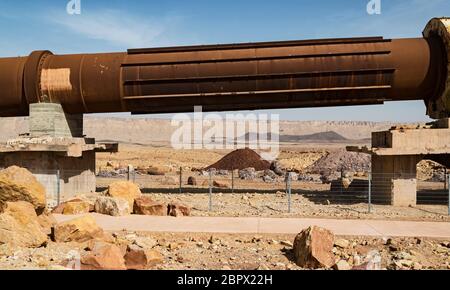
{"x":210,"y":190}
{"x":232,"y":180}
{"x":369,"y":192}
{"x":446,"y":184}
{"x":58,"y":187}
{"x":129,"y":173}
{"x":448,"y":187}
{"x":289,"y":191}
{"x":181,"y":179}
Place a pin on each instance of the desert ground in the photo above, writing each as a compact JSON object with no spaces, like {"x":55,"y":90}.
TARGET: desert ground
{"x":314,"y":152}
{"x":243,"y":252}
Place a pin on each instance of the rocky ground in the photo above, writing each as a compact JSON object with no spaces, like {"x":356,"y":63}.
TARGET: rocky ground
{"x":225,"y":252}
{"x":276,"y":205}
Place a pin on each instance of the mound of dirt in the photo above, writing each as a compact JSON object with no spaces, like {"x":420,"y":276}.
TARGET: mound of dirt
{"x":241,"y":159}
{"x":342,"y":160}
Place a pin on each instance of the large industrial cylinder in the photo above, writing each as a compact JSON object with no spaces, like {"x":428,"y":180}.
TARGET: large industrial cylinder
{"x":289,"y":74}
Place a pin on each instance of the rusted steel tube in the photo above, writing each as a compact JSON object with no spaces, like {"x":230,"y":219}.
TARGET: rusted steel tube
{"x":292,"y":74}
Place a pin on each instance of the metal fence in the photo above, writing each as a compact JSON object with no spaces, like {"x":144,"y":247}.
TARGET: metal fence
{"x":232,"y":193}
{"x":226,"y":192}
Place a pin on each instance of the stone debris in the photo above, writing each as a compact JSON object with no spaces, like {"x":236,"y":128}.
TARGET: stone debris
{"x":20,"y":226}
{"x":81,"y":229}
{"x":76,"y":207}
{"x":112,"y":206}
{"x":19,"y":184}
{"x":221,"y":184}
{"x":342,"y":160}
{"x":277,"y":169}
{"x":247,"y":173}
{"x":157,"y":170}
{"x":147,"y":206}
{"x":342,"y":243}
{"x":177,"y":210}
{"x":138,"y":258}
{"x":126,"y":190}
{"x":342,"y":265}
{"x":313,"y":248}
{"x":104,"y":256}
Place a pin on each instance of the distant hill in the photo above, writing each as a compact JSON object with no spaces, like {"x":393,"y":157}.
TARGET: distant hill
{"x":159,"y":131}
{"x":322,"y":137}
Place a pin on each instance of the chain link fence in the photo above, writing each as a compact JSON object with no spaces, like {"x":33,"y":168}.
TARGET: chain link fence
{"x":247,"y":192}
{"x":251,"y":193}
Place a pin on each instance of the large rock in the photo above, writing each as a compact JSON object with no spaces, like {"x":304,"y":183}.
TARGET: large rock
{"x":247,"y":173}
{"x":47,"y":222}
{"x":112,"y":206}
{"x":146,"y":206}
{"x":76,"y":207}
{"x":20,"y":226}
{"x":176,"y":210}
{"x":157,"y":170}
{"x":221,"y":184}
{"x":80,"y":230}
{"x":313,"y":248}
{"x":138,"y":258}
{"x":18,"y":184}
{"x":104,"y":256}
{"x":126,"y":190}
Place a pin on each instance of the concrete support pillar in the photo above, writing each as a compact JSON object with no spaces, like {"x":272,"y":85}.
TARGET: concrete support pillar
{"x":394,"y":179}
{"x":48,"y":119}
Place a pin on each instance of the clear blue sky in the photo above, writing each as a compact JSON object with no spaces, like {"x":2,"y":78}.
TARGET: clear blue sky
{"x":113,"y":25}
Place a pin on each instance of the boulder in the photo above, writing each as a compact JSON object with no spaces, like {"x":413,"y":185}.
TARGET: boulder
{"x":247,"y":173}
{"x":221,"y":184}
{"x":342,"y":243}
{"x":126,"y":190}
{"x":80,"y":230}
{"x":268,"y":179}
{"x":176,"y":210}
{"x":112,"y":206}
{"x":156,"y":170}
{"x":313,"y":248}
{"x":76,"y":208}
{"x":170,"y":180}
{"x":277,"y":168}
{"x":192,"y":181}
{"x":146,"y":206}
{"x":138,"y":258}
{"x":342,"y":265}
{"x":270,"y":174}
{"x":19,"y":184}
{"x":47,"y":222}
{"x":20,"y":226}
{"x":104,"y":256}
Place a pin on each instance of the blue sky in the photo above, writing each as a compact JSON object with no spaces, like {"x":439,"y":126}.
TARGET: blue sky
{"x":107,"y":26}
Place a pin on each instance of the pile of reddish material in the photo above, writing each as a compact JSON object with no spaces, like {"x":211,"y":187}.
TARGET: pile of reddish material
{"x":241,"y":159}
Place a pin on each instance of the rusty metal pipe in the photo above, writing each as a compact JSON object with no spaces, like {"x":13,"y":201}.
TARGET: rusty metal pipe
{"x":290,"y":74}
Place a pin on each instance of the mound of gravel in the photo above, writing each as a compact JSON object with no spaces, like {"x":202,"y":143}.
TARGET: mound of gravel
{"x":241,"y":159}
{"x":342,"y":160}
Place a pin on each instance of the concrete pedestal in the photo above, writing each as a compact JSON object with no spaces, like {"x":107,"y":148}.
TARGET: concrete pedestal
{"x":395,"y":154}
{"x":394,"y":179}
{"x":47,"y":119}
{"x":56,"y":153}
